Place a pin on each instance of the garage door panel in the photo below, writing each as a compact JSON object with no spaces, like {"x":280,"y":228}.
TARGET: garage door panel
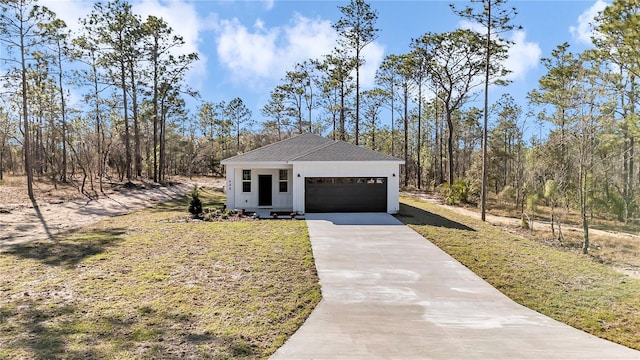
{"x":345,"y":195}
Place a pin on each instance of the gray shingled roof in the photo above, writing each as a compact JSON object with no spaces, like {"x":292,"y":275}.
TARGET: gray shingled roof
{"x":309,"y":147}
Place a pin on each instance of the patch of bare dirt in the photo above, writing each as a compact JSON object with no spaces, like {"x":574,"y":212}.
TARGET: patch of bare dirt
{"x":60,"y":207}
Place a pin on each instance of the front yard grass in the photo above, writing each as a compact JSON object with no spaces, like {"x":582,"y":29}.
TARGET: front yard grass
{"x":568,"y":287}
{"x":141,"y":286}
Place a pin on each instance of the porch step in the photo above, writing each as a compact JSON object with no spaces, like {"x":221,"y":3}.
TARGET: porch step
{"x":266,"y":214}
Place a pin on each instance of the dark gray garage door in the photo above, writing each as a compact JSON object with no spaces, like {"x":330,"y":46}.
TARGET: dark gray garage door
{"x":345,"y":194}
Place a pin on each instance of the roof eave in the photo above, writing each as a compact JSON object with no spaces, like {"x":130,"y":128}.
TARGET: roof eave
{"x":368,"y":162}
{"x":255,"y":162}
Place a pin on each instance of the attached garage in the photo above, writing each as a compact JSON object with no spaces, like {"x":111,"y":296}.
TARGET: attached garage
{"x":310,"y":174}
{"x":345,"y":194}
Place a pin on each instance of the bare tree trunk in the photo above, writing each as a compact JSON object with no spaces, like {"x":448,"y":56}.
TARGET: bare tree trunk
{"x":63,"y":111}
{"x":419,"y":145}
{"x":483,"y":186}
{"x":136,"y":131}
{"x":25,"y":119}
{"x":127,"y":137}
{"x":342,"y":112}
{"x":406,"y":137}
{"x":450,"y":146}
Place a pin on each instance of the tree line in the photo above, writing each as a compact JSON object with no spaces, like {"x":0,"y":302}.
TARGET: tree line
{"x":134,"y":121}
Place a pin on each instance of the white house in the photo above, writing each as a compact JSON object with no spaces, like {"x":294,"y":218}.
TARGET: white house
{"x":308,"y":173}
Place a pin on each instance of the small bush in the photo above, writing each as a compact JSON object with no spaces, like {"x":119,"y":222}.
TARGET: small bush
{"x":462,"y":191}
{"x":507,"y":194}
{"x":195,"y":204}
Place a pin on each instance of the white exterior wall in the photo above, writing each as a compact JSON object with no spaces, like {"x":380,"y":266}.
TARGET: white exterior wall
{"x":237,"y":199}
{"x":347,"y":169}
{"x":230,"y":187}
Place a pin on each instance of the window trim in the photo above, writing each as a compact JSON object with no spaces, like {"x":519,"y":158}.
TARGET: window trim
{"x":283,"y":182}
{"x":246,"y":180}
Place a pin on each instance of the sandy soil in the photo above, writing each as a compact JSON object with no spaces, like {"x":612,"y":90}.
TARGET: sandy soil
{"x":63,"y":209}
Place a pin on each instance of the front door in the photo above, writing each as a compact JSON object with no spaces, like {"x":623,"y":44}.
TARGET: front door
{"x":264,"y":190}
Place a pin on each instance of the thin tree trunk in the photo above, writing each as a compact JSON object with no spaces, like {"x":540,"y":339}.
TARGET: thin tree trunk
{"x":127,"y":137}
{"x":483,"y":190}
{"x":393,"y":153}
{"x":342,"y":112}
{"x":136,"y":130}
{"x":155,"y":109}
{"x":25,"y":119}
{"x":357,"y":132}
{"x":63,"y":111}
{"x":406,"y":137}
{"x":450,"y":146}
{"x":419,"y":134}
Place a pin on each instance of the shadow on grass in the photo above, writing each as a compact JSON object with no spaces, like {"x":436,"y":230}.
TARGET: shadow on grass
{"x":35,"y":334}
{"x":69,"y":253}
{"x":412,"y":215}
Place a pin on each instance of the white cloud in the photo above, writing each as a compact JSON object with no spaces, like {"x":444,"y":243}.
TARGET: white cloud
{"x":522,"y":56}
{"x":246,"y":54}
{"x":259,"y":55}
{"x":183,"y":18}
{"x":311,"y":38}
{"x":583,"y":31}
{"x":373,"y":54}
{"x":268,"y":4}
{"x":267,"y":53}
{"x":70,"y":11}
{"x":471,"y":25}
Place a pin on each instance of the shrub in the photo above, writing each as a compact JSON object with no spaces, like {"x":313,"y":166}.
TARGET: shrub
{"x":508,"y":194}
{"x":462,"y":191}
{"x":195,"y":204}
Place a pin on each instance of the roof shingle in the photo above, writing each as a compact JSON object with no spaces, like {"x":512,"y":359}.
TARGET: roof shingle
{"x":309,"y":147}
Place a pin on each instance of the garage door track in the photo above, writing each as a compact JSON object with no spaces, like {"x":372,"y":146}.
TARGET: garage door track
{"x":390,"y":294}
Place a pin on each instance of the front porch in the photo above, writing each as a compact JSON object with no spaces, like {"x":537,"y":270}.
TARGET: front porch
{"x":260,"y":189}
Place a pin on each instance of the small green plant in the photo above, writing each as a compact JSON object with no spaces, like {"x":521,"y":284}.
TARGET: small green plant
{"x":195,"y":204}
{"x":462,"y":191}
{"x":507,"y":194}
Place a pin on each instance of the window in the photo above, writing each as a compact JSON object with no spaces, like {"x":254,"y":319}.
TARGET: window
{"x":283,"y":176}
{"x":284,"y":186}
{"x":246,"y":180}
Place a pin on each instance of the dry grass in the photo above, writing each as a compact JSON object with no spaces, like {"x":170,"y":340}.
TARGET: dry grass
{"x":564,"y":285}
{"x":571,"y":218}
{"x":140,"y":286}
{"x":612,"y":242}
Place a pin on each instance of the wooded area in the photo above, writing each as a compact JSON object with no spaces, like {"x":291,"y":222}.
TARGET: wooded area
{"x":133,"y":120}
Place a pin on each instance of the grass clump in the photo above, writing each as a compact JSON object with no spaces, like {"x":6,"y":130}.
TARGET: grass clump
{"x":568,"y":287}
{"x":140,"y":286}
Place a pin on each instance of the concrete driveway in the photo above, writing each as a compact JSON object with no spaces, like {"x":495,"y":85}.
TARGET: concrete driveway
{"x":390,"y":294}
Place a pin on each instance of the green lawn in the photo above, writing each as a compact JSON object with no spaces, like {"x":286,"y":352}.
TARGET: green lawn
{"x":571,"y":288}
{"x":140,"y":286}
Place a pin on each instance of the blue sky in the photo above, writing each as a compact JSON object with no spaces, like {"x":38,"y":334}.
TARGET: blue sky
{"x":247,"y":46}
